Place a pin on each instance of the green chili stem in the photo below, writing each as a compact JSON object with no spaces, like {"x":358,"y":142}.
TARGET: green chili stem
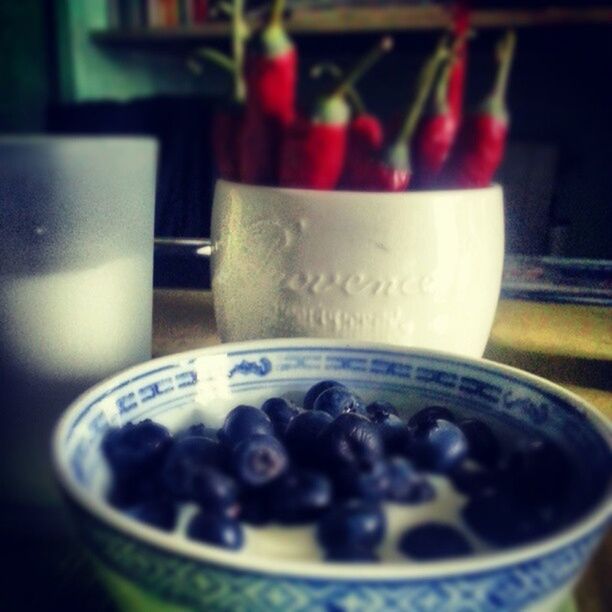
{"x":505,"y":55}
{"x":223,"y":8}
{"x":441,"y":90}
{"x":356,"y":100}
{"x":217,"y":58}
{"x":363,"y":65}
{"x":276,"y":13}
{"x":425,"y":82}
{"x":238,"y":50}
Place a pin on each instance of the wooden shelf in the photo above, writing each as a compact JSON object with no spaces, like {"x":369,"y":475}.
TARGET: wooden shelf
{"x":356,"y":20}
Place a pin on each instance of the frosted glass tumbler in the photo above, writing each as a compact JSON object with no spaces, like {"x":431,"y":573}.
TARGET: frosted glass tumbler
{"x":76,"y":257}
{"x":76,"y":283}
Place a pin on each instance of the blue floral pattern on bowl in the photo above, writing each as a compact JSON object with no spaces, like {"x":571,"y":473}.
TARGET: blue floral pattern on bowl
{"x":201,"y":577}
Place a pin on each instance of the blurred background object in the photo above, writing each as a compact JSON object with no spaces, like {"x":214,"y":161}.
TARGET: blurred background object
{"x":118,"y":67}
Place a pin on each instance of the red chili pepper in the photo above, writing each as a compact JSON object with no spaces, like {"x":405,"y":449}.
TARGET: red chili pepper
{"x":365,"y":135}
{"x":365,"y":140}
{"x":436,"y":133}
{"x":314,"y":148}
{"x":482,"y":140}
{"x":271,"y":75}
{"x":391,"y":170}
{"x":438,"y":130}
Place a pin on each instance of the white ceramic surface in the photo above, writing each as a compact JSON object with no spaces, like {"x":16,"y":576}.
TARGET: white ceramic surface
{"x":419,"y":269}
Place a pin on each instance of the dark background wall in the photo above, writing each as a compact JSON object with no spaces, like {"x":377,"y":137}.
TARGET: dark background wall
{"x":26,"y":71}
{"x":560,"y":99}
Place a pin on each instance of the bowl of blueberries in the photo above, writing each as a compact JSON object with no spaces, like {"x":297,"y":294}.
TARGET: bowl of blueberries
{"x":304,"y":474}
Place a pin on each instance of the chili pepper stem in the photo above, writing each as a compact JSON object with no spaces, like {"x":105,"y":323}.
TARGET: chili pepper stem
{"x":332,"y":107}
{"x":222,"y":8}
{"x":505,"y":55}
{"x":441,"y":90}
{"x":424,"y":85}
{"x":238,"y":50}
{"x":273,"y":39}
{"x":276,"y":13}
{"x":217,"y":58}
{"x":363,"y":65}
{"x":355,"y":99}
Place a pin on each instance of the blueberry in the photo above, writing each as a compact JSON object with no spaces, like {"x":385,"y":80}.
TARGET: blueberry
{"x":280,"y":412}
{"x":136,"y":491}
{"x":259,"y":460}
{"x":254,"y":507}
{"x":300,"y":496}
{"x":473,"y":479}
{"x":196,"y":450}
{"x":439,"y":445}
{"x":499,"y":519}
{"x":158,"y":513}
{"x":135,"y":448}
{"x":216,"y":529}
{"x":302,"y":434}
{"x":190,"y":474}
{"x":351,"y":555}
{"x":431,"y":541}
{"x":406,"y":484}
{"x":316,"y":390}
{"x":483,"y":445}
{"x":371,"y":482}
{"x":354,"y":524}
{"x":198,"y":430}
{"x":351,"y":441}
{"x":243,"y":422}
{"x":430,"y":414}
{"x":338,"y":400}
{"x":539,"y":471}
{"x":379,"y":412}
{"x":396,"y":435}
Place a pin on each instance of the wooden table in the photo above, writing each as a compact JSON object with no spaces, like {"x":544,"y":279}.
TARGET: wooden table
{"x":568,"y":344}
{"x":571,"y":345}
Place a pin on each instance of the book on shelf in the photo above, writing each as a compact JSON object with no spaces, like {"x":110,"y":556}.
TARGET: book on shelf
{"x":154,"y":14}
{"x":200,"y":11}
{"x":185,"y":12}
{"x":132,"y":13}
{"x":170,"y":13}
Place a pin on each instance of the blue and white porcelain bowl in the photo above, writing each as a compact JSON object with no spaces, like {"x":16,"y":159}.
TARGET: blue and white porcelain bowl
{"x":149,"y":569}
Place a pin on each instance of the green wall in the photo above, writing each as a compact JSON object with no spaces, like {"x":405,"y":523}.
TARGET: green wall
{"x":24,"y":70}
{"x":91,"y":72}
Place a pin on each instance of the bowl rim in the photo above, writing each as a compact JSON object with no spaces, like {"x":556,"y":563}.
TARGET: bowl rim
{"x":167,"y":543}
{"x":492,"y":189}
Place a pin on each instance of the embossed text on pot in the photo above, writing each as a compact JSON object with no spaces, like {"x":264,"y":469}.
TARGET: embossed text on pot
{"x":419,"y":269}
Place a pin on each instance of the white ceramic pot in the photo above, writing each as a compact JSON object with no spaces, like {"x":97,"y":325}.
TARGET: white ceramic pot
{"x":420,"y":269}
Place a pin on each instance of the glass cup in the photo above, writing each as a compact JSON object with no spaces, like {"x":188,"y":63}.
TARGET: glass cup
{"x":76,"y":276}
